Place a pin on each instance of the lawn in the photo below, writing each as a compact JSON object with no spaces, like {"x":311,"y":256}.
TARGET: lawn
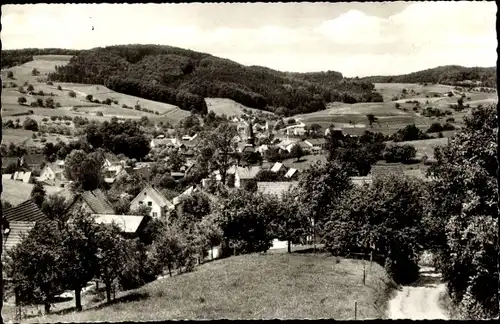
{"x":226,"y":106}
{"x":255,"y":286}
{"x":16,"y":192}
{"x":305,"y":162}
{"x":425,"y":147}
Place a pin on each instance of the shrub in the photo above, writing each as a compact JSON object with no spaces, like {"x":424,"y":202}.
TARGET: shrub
{"x":50,"y":83}
{"x":35,"y":72}
{"x":435,"y":127}
{"x":30,"y":88}
{"x":125,"y":106}
{"x":58,"y":104}
{"x":21,"y":100}
{"x":43,"y":140}
{"x":39,"y":102}
{"x":450,"y":120}
{"x":115,"y":102}
{"x":448,"y":126}
{"x":107,"y":101}
{"x":10,"y":75}
{"x":99,"y":113}
{"x":45,"y":119}
{"x":59,"y":88}
{"x":89,"y":97}
{"x":30,"y":124}
{"x":72,"y":94}
{"x":53,"y":118}
{"x":30,"y":112}
{"x":97,"y":101}
{"x":34,"y":104}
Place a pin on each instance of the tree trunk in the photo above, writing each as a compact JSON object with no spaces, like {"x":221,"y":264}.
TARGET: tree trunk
{"x":108,"y":292}
{"x":47,"y":307}
{"x":289,"y":246}
{"x":170,"y":270}
{"x":78,"y":299}
{"x":212,"y":252}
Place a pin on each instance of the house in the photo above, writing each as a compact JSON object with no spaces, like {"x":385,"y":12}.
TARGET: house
{"x":189,"y":191}
{"x":316,"y":143}
{"x":27,"y":211}
{"x":32,"y":161}
{"x":245,"y":174}
{"x":291,"y":173}
{"x":384,"y":169}
{"x":113,"y":173}
{"x":22,"y":176}
{"x":189,"y":138}
{"x":94,"y":202}
{"x":130,"y":225}
{"x":111,"y":160}
{"x":276,"y":188}
{"x":361,"y":181}
{"x":296,"y":130}
{"x":154,"y":199}
{"x":333,"y":129}
{"x":277,"y":167}
{"x":52,"y":171}
{"x":177,"y":175}
{"x":287,"y":144}
{"x":164,"y":142}
{"x":262,"y":149}
{"x":13,"y":233}
{"x":6,"y":161}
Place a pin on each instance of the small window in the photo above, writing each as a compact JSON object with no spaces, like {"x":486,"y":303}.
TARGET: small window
{"x":140,"y":202}
{"x":150,"y":203}
{"x":155,"y":214}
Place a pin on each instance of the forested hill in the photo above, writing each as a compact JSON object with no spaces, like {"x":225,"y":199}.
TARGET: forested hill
{"x":183,"y":78}
{"x":12,"y":58}
{"x":448,"y":74}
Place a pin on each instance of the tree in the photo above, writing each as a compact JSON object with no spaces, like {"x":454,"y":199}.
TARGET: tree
{"x":371,"y":119}
{"x":39,"y":102}
{"x":273,"y":154}
{"x":175,"y":160}
{"x":54,"y":207}
{"x":30,"y":88}
{"x":320,"y":188}
{"x":30,"y":124}
{"x":72,"y":94}
{"x":220,"y":146}
{"x":111,"y":255}
{"x":38,"y":194}
{"x":211,"y":231}
{"x":290,"y":223}
{"x":386,"y":216}
{"x":400,"y":153}
{"x":84,"y":169}
{"x":192,"y":209}
{"x":35,"y":72}
{"x":251,"y":158}
{"x":465,"y":205}
{"x":168,"y":248}
{"x":34,"y":265}
{"x":89,"y":97}
{"x":245,"y":220}
{"x":10,"y":75}
{"x":49,"y":103}
{"x":80,"y":248}
{"x":297,"y":152}
{"x":10,"y":168}
{"x":21,"y":100}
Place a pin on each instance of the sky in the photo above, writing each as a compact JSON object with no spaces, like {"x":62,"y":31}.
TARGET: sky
{"x":356,"y":39}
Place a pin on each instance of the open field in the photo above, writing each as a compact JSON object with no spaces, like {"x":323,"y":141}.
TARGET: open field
{"x":16,"y":192}
{"x":425,"y":147}
{"x":255,"y":286}
{"x":305,"y":162}
{"x":227,"y":106}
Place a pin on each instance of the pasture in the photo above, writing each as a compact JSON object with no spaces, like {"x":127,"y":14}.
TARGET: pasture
{"x":254,"y":286}
{"x":424,"y":147}
{"x":227,"y":106}
{"x":16,"y":192}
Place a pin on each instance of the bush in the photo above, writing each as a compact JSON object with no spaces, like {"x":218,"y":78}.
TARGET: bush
{"x":59,"y":88}
{"x":99,"y":113}
{"x":10,"y":75}
{"x":34,"y":104}
{"x":450,"y":120}
{"x":43,"y":140}
{"x":398,"y":153}
{"x":22,"y":100}
{"x":115,"y":102}
{"x":89,"y":97}
{"x":50,"y":83}
{"x":30,"y":124}
{"x":45,"y":119}
{"x":35,"y":72}
{"x":58,"y":104}
{"x":30,"y":112}
{"x":30,"y":88}
{"x":448,"y":127}
{"x":435,"y":127}
{"x":108,"y":101}
{"x":72,"y":94}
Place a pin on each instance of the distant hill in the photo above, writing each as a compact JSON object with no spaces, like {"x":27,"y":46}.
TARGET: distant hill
{"x":448,"y":74}
{"x":184,"y":78}
{"x":12,"y":58}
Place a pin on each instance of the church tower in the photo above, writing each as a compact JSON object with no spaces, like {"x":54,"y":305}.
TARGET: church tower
{"x":250,"y":135}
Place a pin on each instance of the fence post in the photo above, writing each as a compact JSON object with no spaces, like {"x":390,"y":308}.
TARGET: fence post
{"x":355,"y":309}
{"x":364,"y":274}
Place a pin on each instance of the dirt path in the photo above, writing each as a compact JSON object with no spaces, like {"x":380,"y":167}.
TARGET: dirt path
{"x":419,"y":301}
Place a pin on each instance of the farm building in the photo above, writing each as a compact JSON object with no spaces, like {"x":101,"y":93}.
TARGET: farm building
{"x":291,"y":173}
{"x":130,"y":225}
{"x":94,"y":202}
{"x":316,"y":143}
{"x":383,"y":169}
{"x":296,"y":130}
{"x":14,"y":231}
{"x":52,"y":171}
{"x":27,"y":211}
{"x":361,"y":181}
{"x":32,"y":161}
{"x":276,"y":188}
{"x":154,"y":199}
{"x":22,"y":176}
{"x":245,"y":174}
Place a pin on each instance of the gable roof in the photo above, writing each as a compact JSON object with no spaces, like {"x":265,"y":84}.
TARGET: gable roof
{"x":291,"y":172}
{"x":31,"y":159}
{"x":22,"y":176}
{"x":155,"y":195}
{"x":111,"y":157}
{"x":276,"y":188}
{"x":386,"y":169}
{"x":27,"y":211}
{"x":126,"y":223}
{"x":246,"y":173}
{"x":316,"y":141}
{"x":276,"y":167}
{"x":14,"y":235}
{"x":97,"y":201}
{"x":55,"y":167}
{"x":359,"y":181}
{"x":7,"y":160}
{"x":186,"y":192}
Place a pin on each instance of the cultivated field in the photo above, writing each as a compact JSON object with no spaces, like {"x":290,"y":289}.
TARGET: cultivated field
{"x":255,"y":286}
{"x":425,"y":147}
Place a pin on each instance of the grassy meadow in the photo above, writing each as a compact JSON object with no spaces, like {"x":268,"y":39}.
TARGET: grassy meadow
{"x":255,"y":286}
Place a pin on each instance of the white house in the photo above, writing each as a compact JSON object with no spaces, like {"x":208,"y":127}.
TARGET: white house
{"x":296,"y":130}
{"x":110,"y":160}
{"x":52,"y":171}
{"x":277,"y":167}
{"x":287,"y":144}
{"x":245,"y":174}
{"x":22,"y":176}
{"x":152,"y":198}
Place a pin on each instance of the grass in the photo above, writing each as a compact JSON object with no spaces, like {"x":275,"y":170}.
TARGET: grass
{"x":226,"y":106}
{"x":16,"y":192}
{"x":425,"y":147}
{"x":256,"y":286}
{"x":305,"y":162}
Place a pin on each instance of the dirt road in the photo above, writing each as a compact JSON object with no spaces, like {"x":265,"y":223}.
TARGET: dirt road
{"x":419,"y":301}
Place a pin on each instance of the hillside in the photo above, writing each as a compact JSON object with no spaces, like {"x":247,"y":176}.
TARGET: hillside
{"x":255,"y":286}
{"x":184,"y":78}
{"x":448,"y":74}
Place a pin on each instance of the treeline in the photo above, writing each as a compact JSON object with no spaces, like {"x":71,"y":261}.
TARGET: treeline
{"x":20,"y":56}
{"x":208,"y":76}
{"x":450,"y":74}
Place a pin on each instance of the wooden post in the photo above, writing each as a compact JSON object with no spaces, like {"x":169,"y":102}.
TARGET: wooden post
{"x":364,"y":274}
{"x":355,"y":309}
{"x":371,"y":259}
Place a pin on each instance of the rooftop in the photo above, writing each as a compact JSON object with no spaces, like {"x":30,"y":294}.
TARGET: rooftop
{"x":126,"y":223}
{"x":27,"y":211}
{"x":276,"y":188}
